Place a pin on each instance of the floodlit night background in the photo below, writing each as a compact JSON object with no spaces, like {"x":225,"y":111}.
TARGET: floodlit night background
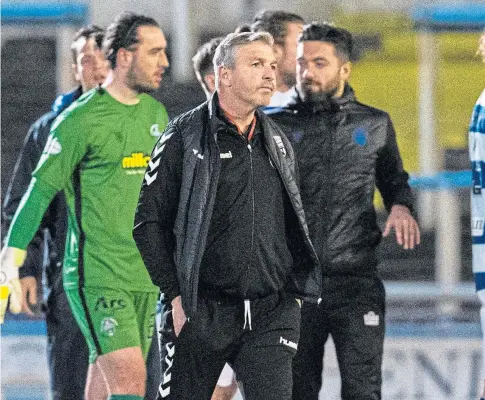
{"x":416,"y":60}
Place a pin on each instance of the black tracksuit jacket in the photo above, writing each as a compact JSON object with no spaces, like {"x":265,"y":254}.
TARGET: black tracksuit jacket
{"x":344,"y":150}
{"x":222,"y":215}
{"x":46,"y":251}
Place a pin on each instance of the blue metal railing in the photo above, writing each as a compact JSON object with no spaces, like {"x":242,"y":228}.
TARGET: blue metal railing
{"x":442,"y":180}
{"x":29,"y":12}
{"x":465,"y":16}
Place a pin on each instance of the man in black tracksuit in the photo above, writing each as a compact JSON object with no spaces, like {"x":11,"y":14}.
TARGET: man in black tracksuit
{"x":66,"y":346}
{"x":221,"y":229}
{"x":344,"y":149}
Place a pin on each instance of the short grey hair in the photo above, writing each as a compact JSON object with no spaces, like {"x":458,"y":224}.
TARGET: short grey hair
{"x":225,"y":54}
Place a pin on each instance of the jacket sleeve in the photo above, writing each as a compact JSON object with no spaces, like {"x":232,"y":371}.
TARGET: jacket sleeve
{"x":391,"y":178}
{"x":156,"y":212}
{"x":65,"y":148}
{"x":19,"y":182}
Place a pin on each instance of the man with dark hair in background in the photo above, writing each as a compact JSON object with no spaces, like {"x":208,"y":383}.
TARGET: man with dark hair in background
{"x":285,"y":28}
{"x":203,"y":66}
{"x":222,"y":232}
{"x":226,"y":386}
{"x":67,"y":352}
{"x":344,"y":149}
{"x":97,"y":153}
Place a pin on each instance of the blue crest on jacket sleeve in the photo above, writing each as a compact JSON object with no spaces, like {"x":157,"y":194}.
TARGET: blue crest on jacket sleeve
{"x":296,"y":136}
{"x":360,"y":137}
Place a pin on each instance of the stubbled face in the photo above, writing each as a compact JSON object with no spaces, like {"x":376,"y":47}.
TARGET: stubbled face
{"x":252,"y":79}
{"x":320,"y":72}
{"x":287,"y":61}
{"x":149,"y":60}
{"x":91,"y":68}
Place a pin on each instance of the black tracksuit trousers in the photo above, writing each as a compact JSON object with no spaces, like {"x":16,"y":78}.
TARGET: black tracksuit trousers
{"x":261,"y":357}
{"x":67,"y":351}
{"x":352,"y":311}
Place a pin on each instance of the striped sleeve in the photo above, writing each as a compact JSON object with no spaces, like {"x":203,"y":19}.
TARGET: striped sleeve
{"x":477,"y":158}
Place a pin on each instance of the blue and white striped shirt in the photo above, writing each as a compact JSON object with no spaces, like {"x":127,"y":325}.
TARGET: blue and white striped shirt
{"x":477,"y":157}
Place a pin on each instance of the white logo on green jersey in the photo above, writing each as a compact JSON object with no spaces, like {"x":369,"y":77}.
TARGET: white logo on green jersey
{"x":108,"y":326}
{"x":155,"y":131}
{"x":52,"y":146}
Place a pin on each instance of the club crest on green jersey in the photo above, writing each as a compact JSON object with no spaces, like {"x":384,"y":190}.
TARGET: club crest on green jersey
{"x":108,"y":326}
{"x":155,"y":131}
{"x":52,"y":146}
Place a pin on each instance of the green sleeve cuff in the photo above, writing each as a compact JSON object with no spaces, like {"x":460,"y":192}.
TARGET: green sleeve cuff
{"x":29,"y":214}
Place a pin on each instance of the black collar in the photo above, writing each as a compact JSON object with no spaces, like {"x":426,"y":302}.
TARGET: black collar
{"x":328,"y":104}
{"x":219,"y":122}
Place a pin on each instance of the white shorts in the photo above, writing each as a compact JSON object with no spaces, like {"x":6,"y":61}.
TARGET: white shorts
{"x":227,"y":376}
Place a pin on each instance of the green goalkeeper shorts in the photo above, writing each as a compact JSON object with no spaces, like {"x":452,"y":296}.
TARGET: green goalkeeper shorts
{"x":114,"y":319}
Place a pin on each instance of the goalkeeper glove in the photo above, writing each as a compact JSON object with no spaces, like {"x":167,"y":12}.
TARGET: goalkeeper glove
{"x":11,"y":259}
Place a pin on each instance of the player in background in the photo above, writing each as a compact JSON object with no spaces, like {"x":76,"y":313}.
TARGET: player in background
{"x":285,"y":28}
{"x":97,"y":153}
{"x":65,"y":342}
{"x":67,"y":352}
{"x":476,"y":142}
{"x":203,"y":67}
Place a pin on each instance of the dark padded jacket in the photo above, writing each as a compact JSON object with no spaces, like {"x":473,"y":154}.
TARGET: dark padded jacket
{"x":173,"y":217}
{"x":46,"y":251}
{"x":344,"y":150}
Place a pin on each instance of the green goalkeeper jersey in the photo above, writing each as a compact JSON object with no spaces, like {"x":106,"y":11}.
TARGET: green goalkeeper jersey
{"x":97,"y":153}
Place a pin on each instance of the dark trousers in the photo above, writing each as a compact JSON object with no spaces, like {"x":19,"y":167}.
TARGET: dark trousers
{"x":352,"y":311}
{"x":261,"y":357}
{"x":67,"y":354}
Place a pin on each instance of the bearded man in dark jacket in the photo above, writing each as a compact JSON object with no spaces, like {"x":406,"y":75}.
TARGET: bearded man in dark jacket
{"x":221,"y":229}
{"x":344,"y":150}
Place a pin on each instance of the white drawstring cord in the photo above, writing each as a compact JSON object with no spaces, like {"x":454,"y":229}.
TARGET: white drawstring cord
{"x":247,"y":314}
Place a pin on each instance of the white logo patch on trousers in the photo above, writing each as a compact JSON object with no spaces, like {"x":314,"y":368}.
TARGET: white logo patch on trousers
{"x":371,"y":319}
{"x":288,"y":343}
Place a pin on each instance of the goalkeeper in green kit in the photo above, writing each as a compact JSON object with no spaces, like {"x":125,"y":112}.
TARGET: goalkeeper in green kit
{"x":97,"y":153}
